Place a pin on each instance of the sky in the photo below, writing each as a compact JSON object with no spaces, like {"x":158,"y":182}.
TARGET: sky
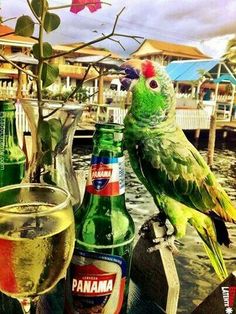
{"x":206,"y":24}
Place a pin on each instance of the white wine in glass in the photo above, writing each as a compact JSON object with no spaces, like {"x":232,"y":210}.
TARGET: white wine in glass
{"x":36,"y":240}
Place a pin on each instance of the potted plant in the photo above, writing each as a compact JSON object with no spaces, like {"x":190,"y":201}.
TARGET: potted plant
{"x":53,"y":123}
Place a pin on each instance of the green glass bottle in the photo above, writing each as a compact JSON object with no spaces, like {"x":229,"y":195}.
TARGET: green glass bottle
{"x":12,"y":158}
{"x":99,"y":272}
{"x":12,"y":170}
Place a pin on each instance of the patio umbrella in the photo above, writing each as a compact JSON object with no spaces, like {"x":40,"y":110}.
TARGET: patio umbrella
{"x":21,"y":59}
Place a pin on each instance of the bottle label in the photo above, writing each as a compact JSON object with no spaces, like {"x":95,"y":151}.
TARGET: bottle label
{"x":106,"y":176}
{"x":97,"y":282}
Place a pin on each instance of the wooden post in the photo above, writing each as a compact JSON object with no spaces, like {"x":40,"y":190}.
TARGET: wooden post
{"x":19,"y":85}
{"x":67,"y":82}
{"x":155,"y":273}
{"x":100,"y":86}
{"x":211,"y":141}
{"x":225,"y":134}
{"x":197,"y":134}
{"x":212,"y":130}
{"x":232,"y":101}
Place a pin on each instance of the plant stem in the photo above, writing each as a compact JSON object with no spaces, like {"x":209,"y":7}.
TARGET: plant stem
{"x":103,"y":37}
{"x":7,"y":34}
{"x":40,"y":64}
{"x":9,"y":19}
{"x":32,"y":10}
{"x":39,"y":92}
{"x":80,"y":84}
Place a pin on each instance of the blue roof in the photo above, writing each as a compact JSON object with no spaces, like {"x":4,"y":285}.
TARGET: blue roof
{"x":225,"y":78}
{"x":189,"y":70}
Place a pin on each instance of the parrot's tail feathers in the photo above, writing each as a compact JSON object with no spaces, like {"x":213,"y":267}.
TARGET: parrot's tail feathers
{"x":215,"y":255}
{"x":206,"y":229}
{"x":221,"y":230}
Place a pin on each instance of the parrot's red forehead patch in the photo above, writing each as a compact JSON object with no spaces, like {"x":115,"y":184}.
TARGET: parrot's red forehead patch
{"x":148,"y":69}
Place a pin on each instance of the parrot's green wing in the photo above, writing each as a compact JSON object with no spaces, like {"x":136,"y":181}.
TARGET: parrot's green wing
{"x":173,"y":165}
{"x":173,"y":175}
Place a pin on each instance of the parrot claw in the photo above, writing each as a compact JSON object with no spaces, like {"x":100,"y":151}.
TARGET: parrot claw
{"x":168,"y":241}
{"x":147,"y":226}
{"x":156,"y":230}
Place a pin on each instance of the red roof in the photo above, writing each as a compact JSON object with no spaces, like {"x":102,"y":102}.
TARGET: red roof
{"x":12,"y":37}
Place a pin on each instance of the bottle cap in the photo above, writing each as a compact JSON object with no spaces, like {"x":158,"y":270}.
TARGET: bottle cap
{"x":7,"y":105}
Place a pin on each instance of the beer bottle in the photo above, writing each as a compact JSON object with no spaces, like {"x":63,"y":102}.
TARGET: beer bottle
{"x":12,"y":158}
{"x":99,"y":272}
{"x":12,"y":169}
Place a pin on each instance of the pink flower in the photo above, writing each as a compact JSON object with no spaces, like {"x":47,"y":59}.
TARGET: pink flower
{"x":79,"y":5}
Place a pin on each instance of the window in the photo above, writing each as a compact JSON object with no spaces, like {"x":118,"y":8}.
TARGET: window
{"x":16,"y":49}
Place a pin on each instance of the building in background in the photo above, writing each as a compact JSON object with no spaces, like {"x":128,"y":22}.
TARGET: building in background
{"x":165,"y":52}
{"x":71,"y":70}
{"x":11,"y":44}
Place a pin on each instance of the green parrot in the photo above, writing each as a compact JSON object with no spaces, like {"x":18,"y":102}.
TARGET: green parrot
{"x":182,"y":185}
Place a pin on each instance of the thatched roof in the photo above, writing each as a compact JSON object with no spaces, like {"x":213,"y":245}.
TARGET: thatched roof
{"x":157,"y":47}
{"x":89,"y":50}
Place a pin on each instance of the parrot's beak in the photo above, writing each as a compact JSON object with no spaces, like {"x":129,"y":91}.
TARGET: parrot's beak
{"x":130,"y":73}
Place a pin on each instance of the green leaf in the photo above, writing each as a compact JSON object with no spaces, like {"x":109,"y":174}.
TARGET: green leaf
{"x":49,"y":74}
{"x":47,"y":50}
{"x":47,"y":178}
{"x":47,"y":158}
{"x":24,"y":26}
{"x":51,"y":22}
{"x":44,"y":133}
{"x":37,"y":6}
{"x":55,"y":127}
{"x":50,"y":132}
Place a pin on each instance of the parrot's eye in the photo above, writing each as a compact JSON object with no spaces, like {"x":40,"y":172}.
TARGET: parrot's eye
{"x":153,"y":84}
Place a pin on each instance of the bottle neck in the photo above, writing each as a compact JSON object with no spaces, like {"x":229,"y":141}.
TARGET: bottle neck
{"x":108,"y":143}
{"x":8,"y":133}
{"x":106,"y":178}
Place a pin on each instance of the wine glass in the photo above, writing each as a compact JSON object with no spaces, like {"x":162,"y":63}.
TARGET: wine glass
{"x":37,"y":238}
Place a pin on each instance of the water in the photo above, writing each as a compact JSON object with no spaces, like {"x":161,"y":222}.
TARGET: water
{"x":197,"y":278}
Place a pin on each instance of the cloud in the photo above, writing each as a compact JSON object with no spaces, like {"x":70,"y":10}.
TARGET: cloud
{"x":183,"y":21}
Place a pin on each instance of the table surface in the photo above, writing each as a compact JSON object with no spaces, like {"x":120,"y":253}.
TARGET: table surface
{"x":138,"y":304}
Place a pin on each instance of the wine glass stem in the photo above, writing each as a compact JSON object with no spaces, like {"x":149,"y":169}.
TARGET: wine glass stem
{"x":25,"y":305}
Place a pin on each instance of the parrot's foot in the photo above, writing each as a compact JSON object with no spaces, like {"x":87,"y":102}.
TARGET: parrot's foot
{"x":167,"y":241}
{"x":147,"y":226}
{"x":156,"y":231}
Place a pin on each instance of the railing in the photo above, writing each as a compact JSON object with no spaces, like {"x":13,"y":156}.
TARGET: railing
{"x":115,"y":109}
{"x":223,"y":111}
{"x":187,"y":119}
{"x":8,"y":90}
{"x":193,"y":119}
{"x":223,"y":98}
